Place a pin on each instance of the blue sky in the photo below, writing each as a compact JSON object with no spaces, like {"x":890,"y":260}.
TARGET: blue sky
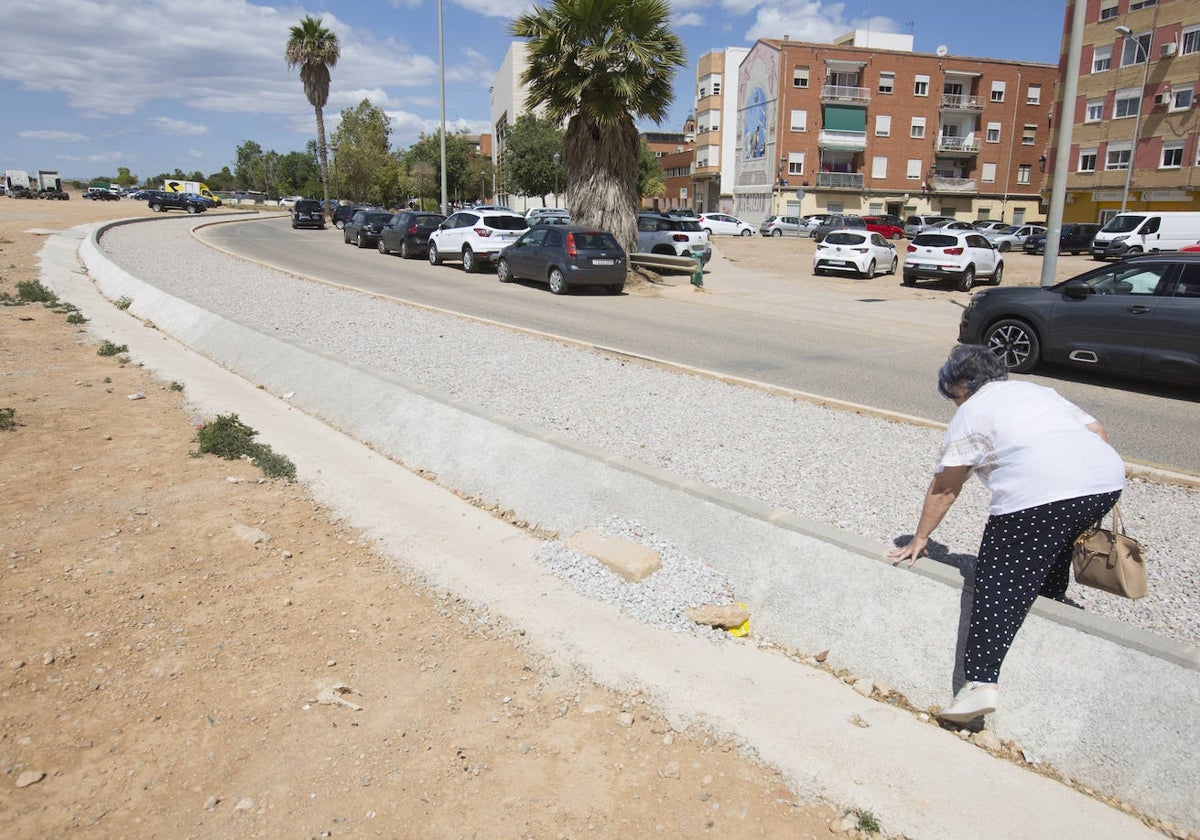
{"x":90,"y":85}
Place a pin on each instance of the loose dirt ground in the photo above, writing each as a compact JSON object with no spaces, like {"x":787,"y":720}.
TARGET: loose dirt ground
{"x":161,"y":670}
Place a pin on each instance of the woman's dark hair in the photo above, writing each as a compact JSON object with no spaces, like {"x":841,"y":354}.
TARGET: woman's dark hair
{"x":972,"y":366}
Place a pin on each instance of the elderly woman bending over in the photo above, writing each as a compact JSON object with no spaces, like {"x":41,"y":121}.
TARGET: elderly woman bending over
{"x":1051,"y":473}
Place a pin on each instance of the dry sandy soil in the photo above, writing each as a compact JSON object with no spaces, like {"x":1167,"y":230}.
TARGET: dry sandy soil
{"x":160,"y":671}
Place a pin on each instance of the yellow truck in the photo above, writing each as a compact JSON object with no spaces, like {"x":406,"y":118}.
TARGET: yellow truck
{"x":198,"y":187}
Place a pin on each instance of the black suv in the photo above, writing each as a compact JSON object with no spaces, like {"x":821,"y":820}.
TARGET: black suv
{"x":307,"y":213}
{"x":342,"y":214}
{"x":408,"y":233}
{"x":99,"y":194}
{"x":364,"y":226}
{"x":1074,"y":239}
{"x":161,"y":201}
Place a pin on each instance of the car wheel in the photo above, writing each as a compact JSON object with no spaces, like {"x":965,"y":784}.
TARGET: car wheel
{"x":615,"y":288}
{"x":435,"y":258}
{"x":191,"y":208}
{"x":998,"y":274}
{"x":558,"y":283}
{"x":470,"y":264}
{"x":777,"y":232}
{"x":1004,"y":247}
{"x":156,"y":207}
{"x":897,"y":236}
{"x":709,"y":232}
{"x":359,"y":241}
{"x":1133,"y":252}
{"x":503,"y":274}
{"x":1014,"y":343}
{"x":339,"y":224}
{"x":908,"y":280}
{"x":379,"y":244}
{"x":747,"y":232}
{"x":895,"y":265}
{"x":967,"y":281}
{"x":405,"y":252}
{"x":812,"y":235}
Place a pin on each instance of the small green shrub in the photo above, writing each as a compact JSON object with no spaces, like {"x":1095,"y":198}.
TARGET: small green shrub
{"x":229,"y":438}
{"x":122,"y":302}
{"x":176,"y":386}
{"x":867,"y":821}
{"x":107,"y":348}
{"x":31,"y":291}
{"x":8,"y":418}
{"x":76,"y":318}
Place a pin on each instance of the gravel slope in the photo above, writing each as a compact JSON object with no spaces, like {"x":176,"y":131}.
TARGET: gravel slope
{"x":861,"y":474}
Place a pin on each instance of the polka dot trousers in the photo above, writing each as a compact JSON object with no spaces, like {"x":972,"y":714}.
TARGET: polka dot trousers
{"x":1023,"y":554}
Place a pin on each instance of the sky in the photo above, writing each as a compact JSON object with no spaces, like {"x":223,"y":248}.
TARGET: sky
{"x":87,"y":86}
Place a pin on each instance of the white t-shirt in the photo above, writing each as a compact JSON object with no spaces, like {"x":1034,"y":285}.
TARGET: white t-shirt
{"x":1029,"y":446}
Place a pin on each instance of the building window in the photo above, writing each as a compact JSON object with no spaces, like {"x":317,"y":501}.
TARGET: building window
{"x":993,"y":133}
{"x":1033,"y":96}
{"x":1095,"y":111}
{"x":702,"y":93}
{"x":914,"y":170}
{"x":799,"y":120}
{"x":1128,"y":103}
{"x":1181,"y":98}
{"x":879,"y":166}
{"x":800,"y":77}
{"x":795,"y":163}
{"x":716,"y":88}
{"x":921,"y":86}
{"x":1108,"y":9}
{"x":1023,"y":173}
{"x":1135,"y":49}
{"x":1087,"y":160}
{"x":1101,"y":59}
{"x":887,"y":82}
{"x":1141,"y":4}
{"x":989,"y":173}
{"x":918,"y":128}
{"x":1117,"y":157}
{"x":997,"y":91}
{"x":1029,"y":135}
{"x":883,"y":125}
{"x":1172,"y":155}
{"x":1190,"y":42}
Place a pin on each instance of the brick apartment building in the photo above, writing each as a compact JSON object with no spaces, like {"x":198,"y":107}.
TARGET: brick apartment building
{"x":866,"y":125}
{"x":1135,"y":135}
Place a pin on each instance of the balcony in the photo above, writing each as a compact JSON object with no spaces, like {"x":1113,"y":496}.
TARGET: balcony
{"x":939,"y":183}
{"x":840,"y":180}
{"x":957,"y":145}
{"x":845,"y":141}
{"x":959,"y":102}
{"x":846,"y":95}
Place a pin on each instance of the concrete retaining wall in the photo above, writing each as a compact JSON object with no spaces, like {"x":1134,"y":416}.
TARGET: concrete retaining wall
{"x":1109,"y":706}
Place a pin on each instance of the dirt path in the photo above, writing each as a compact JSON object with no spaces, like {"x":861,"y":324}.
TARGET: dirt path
{"x":170,"y":625}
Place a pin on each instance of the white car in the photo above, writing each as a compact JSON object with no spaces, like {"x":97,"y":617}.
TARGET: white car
{"x":860,"y":252}
{"x":1013,"y":236}
{"x":961,"y":256}
{"x":290,"y":200}
{"x":720,"y":223}
{"x":475,"y":237}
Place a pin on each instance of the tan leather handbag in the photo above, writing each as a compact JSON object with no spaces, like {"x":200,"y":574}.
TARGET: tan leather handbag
{"x":1108,"y":559}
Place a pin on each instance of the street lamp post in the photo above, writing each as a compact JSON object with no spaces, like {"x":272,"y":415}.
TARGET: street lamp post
{"x":557,"y":158}
{"x":337,"y":187}
{"x":1126,"y":32}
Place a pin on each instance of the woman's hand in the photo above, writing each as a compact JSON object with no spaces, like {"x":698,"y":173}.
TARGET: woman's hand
{"x":915,"y":548}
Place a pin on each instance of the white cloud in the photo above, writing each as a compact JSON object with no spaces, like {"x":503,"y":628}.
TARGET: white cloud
{"x":169,"y":126}
{"x":53,"y":135}
{"x":689,"y":19}
{"x":496,"y":8}
{"x":807,"y":20}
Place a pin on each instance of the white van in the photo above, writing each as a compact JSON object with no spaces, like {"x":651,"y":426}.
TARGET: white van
{"x":1145,"y":232}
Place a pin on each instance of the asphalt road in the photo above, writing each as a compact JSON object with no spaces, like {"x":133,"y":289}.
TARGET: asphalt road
{"x":843,"y":342}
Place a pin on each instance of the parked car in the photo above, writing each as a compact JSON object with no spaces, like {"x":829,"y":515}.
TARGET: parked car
{"x":1145,"y":231}
{"x":860,"y":252}
{"x":141,"y":195}
{"x":1012,"y":236}
{"x":1138,"y":317}
{"x":780,"y":225}
{"x":950,"y":224}
{"x":1074,"y":239}
{"x":684,"y":212}
{"x":495,"y":207}
{"x":885,"y":228}
{"x":954,"y":255}
{"x":475,"y":237}
{"x":811,"y":222}
{"x":98,"y":194}
{"x":161,"y":201}
{"x":837,"y":221}
{"x":888,"y":219}
{"x":364,"y":227}
{"x":342,"y":213}
{"x":659,"y":233}
{"x":290,"y":200}
{"x":565,"y":256}
{"x":307,"y":213}
{"x":985,"y":225}
{"x":535,"y":212}
{"x":551,"y":219}
{"x":724,"y":224}
{"x":407,"y":233}
{"x":914,"y":225}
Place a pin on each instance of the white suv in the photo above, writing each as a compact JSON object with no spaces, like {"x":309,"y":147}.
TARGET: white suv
{"x":659,"y":233}
{"x":959,"y":255}
{"x":723,"y":223}
{"x":475,"y":237}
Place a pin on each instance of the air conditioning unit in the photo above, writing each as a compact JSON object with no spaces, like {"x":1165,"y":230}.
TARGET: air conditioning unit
{"x":1168,"y":50}
{"x":1162,"y":99}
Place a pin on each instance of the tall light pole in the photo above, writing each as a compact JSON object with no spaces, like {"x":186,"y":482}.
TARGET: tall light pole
{"x":1126,"y":32}
{"x":557,"y":158}
{"x":337,"y":188}
{"x":442,"y":137}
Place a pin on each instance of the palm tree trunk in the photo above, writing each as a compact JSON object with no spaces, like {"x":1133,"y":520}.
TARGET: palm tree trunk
{"x":323,"y":155}
{"x":602,"y":176}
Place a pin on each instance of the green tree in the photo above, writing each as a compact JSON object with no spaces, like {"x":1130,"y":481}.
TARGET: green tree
{"x":652,"y":180}
{"x":599,"y":65}
{"x":529,"y":150}
{"x":222,"y":180}
{"x":423,"y":176}
{"x":459,"y":152}
{"x":314,"y":49}
{"x":123,"y":178}
{"x":362,"y":139}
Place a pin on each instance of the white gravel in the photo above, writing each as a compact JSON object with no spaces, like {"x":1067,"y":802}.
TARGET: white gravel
{"x":861,"y":474}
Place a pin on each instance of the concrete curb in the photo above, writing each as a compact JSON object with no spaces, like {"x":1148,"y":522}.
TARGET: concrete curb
{"x":809,"y":587}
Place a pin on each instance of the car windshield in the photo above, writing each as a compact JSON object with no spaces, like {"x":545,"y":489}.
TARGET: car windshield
{"x":308,"y":206}
{"x":1138,"y":279}
{"x":506,"y":222}
{"x":692,"y":225}
{"x":1123,"y":224}
{"x":841,"y":238}
{"x":1009,"y":229}
{"x":376,"y":218}
{"x":428,"y":221}
{"x":936,"y":240}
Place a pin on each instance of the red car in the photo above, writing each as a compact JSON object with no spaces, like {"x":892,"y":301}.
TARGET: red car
{"x":883,"y":227}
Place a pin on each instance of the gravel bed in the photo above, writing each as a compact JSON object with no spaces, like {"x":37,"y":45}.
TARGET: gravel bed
{"x":861,"y":474}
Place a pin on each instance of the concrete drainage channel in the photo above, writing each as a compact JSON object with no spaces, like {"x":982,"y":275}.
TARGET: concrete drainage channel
{"x":1110,"y":707}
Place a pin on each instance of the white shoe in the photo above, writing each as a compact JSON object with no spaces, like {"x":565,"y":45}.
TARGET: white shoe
{"x":973,"y":699}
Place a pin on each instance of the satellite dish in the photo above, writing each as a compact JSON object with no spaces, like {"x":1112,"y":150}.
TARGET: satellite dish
{"x":941,"y":50}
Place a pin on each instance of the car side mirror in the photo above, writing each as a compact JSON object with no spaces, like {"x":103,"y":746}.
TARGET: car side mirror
{"x":1077,"y":289}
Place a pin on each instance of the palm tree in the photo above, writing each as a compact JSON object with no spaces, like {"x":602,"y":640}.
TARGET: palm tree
{"x":314,"y":49}
{"x":599,"y":64}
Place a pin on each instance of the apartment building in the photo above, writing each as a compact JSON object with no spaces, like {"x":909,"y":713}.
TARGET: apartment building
{"x":1135,"y":133}
{"x":716,"y":107}
{"x":866,"y":125}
